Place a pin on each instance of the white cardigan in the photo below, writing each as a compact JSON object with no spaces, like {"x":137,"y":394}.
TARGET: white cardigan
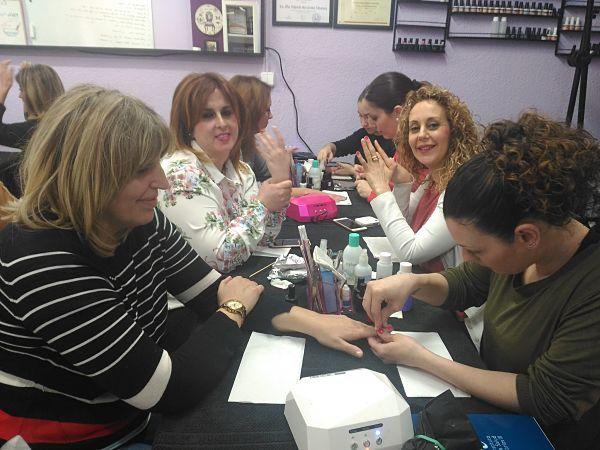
{"x":396,"y":208}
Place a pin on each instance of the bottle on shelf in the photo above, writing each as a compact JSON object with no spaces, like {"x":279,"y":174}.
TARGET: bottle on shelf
{"x":406,"y":267}
{"x":503,"y":26}
{"x":495,"y":27}
{"x":350,"y":257}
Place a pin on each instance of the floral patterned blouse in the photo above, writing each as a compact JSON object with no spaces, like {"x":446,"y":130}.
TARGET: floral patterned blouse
{"x":217,"y":211}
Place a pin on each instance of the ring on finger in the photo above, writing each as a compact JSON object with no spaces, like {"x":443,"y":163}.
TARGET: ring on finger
{"x":374,"y":158}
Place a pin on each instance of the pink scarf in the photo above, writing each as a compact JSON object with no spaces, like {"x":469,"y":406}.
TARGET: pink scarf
{"x":423,"y":212}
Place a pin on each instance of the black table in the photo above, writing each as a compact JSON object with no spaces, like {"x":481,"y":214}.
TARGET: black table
{"x":216,"y":423}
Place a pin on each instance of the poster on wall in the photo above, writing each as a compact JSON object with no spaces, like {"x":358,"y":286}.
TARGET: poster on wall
{"x":207,"y":25}
{"x":302,"y":12}
{"x":232,"y":26}
{"x":12,"y":27}
{"x":370,"y":14}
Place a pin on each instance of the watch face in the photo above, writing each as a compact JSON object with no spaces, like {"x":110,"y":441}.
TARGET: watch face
{"x":235,"y":304}
{"x":209,"y":19}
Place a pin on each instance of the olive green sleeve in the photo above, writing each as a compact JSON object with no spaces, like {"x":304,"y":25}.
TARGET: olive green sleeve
{"x":468,"y":285}
{"x":564,"y":382}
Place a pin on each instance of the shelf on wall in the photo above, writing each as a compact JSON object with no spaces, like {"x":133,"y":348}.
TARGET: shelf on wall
{"x":577,"y":4}
{"x":529,"y":16}
{"x":593,"y":30}
{"x":487,"y":36}
{"x":423,"y":1}
{"x":408,"y":50}
{"x":424,"y":24}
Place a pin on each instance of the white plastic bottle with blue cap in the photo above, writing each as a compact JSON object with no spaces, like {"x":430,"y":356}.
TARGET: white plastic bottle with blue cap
{"x":314,"y":174}
{"x":350,"y":257}
{"x":406,"y":267}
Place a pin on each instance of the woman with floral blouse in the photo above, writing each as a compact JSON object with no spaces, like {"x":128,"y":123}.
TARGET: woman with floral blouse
{"x":213,"y":197}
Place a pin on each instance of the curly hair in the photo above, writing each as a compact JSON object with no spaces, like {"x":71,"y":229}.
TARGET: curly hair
{"x":534,"y":168}
{"x":463,"y":133}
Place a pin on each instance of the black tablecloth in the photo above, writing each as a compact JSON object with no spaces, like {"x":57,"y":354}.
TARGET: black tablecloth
{"x":216,"y":423}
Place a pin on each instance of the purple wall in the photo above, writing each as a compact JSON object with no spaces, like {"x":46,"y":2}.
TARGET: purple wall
{"x":328,"y":68}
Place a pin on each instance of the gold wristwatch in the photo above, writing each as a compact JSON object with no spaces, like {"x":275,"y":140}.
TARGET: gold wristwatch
{"x":236,"y":307}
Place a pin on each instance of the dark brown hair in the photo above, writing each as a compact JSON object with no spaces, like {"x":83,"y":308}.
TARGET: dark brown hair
{"x":189,"y":101}
{"x":255,"y":96}
{"x":534,"y":168}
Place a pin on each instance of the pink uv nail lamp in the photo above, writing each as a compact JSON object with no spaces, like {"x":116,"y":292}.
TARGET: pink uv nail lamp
{"x":312,"y":208}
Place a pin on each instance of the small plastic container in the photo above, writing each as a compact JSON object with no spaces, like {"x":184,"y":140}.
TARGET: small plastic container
{"x":384,"y":265}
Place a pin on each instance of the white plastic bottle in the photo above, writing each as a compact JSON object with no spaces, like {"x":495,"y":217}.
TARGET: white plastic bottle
{"x":315,"y":175}
{"x":350,"y":257}
{"x":503,"y":25}
{"x":362,"y":273}
{"x":406,"y":267}
{"x":384,"y":265}
{"x":495,"y":27}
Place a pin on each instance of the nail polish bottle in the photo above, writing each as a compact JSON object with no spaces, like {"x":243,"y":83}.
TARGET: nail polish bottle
{"x":429,"y":45}
{"x":486,"y":8}
{"x":461,"y":6}
{"x":577,"y":26}
{"x":526,"y":10}
{"x":455,"y":6}
{"x":346,"y":296}
{"x":520,"y":33}
{"x":503,"y":7}
{"x":291,"y":294}
{"x":468,"y":6}
{"x":509,"y":7}
{"x":540,"y":9}
{"x":479,"y":6}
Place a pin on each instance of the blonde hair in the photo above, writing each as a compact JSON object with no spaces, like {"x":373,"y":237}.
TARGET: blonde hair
{"x":189,"y":101}
{"x":89,"y":145}
{"x":40,"y":85}
{"x":463,"y":133}
{"x":255,"y":96}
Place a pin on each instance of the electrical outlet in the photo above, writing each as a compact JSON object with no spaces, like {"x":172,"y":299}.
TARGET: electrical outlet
{"x":268,"y":77}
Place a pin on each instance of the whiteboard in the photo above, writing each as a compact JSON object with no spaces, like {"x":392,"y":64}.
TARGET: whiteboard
{"x":12,"y":26}
{"x":90,"y":23}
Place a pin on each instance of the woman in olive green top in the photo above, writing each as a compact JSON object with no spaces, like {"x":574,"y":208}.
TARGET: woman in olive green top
{"x":516,"y":210}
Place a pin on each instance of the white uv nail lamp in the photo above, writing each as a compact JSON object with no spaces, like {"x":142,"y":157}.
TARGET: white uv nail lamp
{"x":353,"y":410}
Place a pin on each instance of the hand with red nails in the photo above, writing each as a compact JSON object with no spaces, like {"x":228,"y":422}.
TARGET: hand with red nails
{"x":386,"y":296}
{"x":397,"y":349}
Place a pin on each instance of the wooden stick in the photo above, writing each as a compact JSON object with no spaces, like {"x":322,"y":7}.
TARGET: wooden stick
{"x":260,"y":270}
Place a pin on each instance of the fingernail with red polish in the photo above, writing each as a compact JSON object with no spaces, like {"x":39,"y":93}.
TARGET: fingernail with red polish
{"x":380,"y":331}
{"x":366,"y":138}
{"x":389,"y":327}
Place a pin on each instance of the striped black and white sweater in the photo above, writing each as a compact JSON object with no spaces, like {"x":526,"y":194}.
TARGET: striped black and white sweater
{"x":83,"y":352}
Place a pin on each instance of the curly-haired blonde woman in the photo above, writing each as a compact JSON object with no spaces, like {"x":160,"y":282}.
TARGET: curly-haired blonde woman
{"x":436,"y":134}
{"x":517,"y":209}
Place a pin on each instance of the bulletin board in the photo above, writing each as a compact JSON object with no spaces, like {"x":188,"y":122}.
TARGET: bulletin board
{"x":143,"y":26}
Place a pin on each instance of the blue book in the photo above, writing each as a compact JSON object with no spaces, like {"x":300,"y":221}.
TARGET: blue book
{"x":509,"y":432}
